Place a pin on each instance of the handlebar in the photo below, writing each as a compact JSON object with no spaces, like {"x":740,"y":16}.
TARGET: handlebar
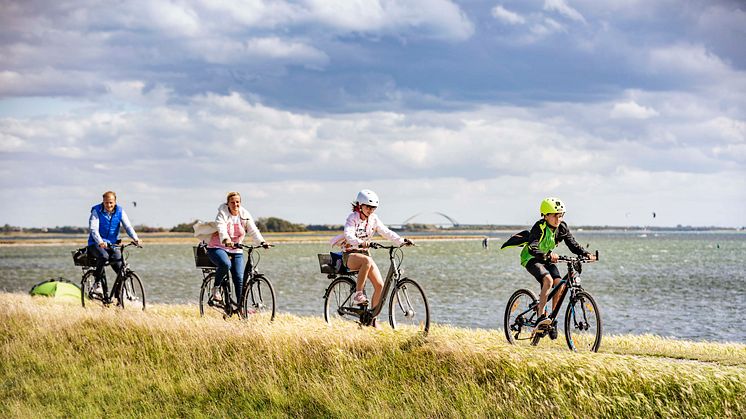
{"x":251,"y":247}
{"x":123,"y":246}
{"x":581,"y":259}
{"x":374,"y":245}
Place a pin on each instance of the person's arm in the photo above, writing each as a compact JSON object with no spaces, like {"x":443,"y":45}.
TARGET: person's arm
{"x":252,"y":229}
{"x":570,"y":241}
{"x":350,"y":229}
{"x":128,"y":228}
{"x":381,"y":229}
{"x":93,"y":228}
{"x":221,"y":221}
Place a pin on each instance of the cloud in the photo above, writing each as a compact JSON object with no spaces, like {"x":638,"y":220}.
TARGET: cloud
{"x":632,"y":110}
{"x":564,"y":9}
{"x":502,"y":14}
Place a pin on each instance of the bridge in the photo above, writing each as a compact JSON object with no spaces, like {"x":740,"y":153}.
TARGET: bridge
{"x":450,"y":220}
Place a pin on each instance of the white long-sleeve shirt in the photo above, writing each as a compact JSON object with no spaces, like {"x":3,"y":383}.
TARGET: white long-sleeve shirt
{"x":224,"y":220}
{"x":357,"y":230}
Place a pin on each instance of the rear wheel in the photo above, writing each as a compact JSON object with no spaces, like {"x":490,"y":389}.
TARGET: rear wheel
{"x":338,"y":298}
{"x":86,"y":285}
{"x":520,"y":318}
{"x":408,"y":307}
{"x":583,"y":323}
{"x":259,"y":300}
{"x":207,"y":307}
{"x":131,"y":292}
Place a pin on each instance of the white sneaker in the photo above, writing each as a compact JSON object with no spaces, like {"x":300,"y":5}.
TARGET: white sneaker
{"x":359,"y":298}
{"x":215,"y":295}
{"x":97,"y":289}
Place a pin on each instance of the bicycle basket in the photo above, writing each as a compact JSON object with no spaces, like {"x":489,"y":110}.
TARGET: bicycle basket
{"x":81,"y":257}
{"x":325,"y":263}
{"x":331,"y":263}
{"x":200,"y":257}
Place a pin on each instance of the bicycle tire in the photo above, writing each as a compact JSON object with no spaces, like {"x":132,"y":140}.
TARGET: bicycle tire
{"x":131,"y":292}
{"x":408,"y":307}
{"x":259,"y":302}
{"x":338,"y":295}
{"x":518,"y":328}
{"x":86,"y":283}
{"x":204,"y":297}
{"x":582,"y":315}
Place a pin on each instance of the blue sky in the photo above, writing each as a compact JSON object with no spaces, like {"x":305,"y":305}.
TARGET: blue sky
{"x":477,"y":109}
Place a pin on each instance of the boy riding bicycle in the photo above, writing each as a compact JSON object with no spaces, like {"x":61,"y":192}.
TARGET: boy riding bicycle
{"x":537,"y":255}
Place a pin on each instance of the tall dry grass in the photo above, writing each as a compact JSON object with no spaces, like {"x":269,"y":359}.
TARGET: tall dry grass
{"x":59,"y":360}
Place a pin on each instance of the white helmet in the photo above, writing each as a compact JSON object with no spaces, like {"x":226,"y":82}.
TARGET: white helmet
{"x":367,"y":197}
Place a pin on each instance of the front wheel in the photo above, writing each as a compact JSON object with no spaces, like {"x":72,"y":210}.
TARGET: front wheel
{"x":408,"y":307}
{"x":338,"y":300}
{"x":583,"y":323}
{"x":131,"y":292}
{"x":520,"y":318}
{"x":259,"y":300}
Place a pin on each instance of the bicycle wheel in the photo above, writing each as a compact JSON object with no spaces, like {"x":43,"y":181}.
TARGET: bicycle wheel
{"x":520,"y":317}
{"x":408,"y":307}
{"x":259,"y":300}
{"x":583,"y":323}
{"x":131,"y":292}
{"x":206,"y":305}
{"x":338,"y":296}
{"x":86,"y":285}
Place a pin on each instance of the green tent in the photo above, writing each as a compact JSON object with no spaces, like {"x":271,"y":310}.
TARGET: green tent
{"x":58,"y":288}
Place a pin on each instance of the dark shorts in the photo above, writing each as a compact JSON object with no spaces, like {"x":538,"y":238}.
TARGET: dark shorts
{"x":539,"y":269}
{"x":346,"y":255}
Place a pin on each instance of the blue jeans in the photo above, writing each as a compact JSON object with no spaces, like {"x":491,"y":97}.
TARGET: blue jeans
{"x":111,"y":255}
{"x":228,"y":261}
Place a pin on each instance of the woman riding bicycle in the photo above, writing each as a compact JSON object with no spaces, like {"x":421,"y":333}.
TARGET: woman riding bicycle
{"x":233,"y":222}
{"x":537,"y":256}
{"x":361,"y":225}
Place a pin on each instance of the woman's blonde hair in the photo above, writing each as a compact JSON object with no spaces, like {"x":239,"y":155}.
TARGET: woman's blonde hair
{"x":231,"y":195}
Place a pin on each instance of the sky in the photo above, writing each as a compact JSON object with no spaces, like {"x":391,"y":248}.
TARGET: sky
{"x":474,"y":109}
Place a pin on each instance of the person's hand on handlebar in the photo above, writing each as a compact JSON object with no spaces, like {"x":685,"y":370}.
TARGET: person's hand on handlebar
{"x":408,"y":242}
{"x":137,"y":243}
{"x":103,"y":245}
{"x":227,"y":243}
{"x":553,"y":257}
{"x":591,"y":256}
{"x":265,"y":245}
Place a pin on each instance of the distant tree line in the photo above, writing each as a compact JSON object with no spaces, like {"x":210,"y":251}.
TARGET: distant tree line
{"x":278,"y":225}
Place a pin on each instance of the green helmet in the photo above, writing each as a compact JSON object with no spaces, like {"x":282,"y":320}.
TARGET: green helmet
{"x":551,"y":206}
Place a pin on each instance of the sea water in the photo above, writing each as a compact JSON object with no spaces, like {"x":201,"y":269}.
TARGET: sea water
{"x":677,"y":284}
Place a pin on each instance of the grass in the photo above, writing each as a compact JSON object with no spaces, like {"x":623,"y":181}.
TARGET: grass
{"x":59,"y":360}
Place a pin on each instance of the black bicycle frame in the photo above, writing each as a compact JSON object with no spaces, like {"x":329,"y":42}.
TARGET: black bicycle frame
{"x":569,"y":280}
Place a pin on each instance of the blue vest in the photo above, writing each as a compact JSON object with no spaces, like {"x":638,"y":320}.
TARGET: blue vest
{"x":108,"y":225}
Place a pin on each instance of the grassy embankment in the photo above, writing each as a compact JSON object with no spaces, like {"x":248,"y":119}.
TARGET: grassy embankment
{"x":58,"y":359}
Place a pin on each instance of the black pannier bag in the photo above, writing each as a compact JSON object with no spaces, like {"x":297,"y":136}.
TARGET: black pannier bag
{"x":81,"y":257}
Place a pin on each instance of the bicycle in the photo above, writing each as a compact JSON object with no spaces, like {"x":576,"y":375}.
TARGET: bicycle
{"x":257,"y":298}
{"x":408,"y":306}
{"x":583,"y":326}
{"x":127,"y":289}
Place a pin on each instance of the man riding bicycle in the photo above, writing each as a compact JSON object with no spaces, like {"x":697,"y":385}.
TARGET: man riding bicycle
{"x":103,"y":226}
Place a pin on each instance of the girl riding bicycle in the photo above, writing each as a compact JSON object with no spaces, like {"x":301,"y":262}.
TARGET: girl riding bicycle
{"x":361,"y":225}
{"x":233,"y":222}
{"x":537,"y":256}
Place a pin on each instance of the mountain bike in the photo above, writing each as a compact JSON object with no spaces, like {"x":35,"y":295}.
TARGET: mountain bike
{"x":408,"y":306}
{"x":127,"y":288}
{"x":257,"y":300}
{"x":583,"y":327}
